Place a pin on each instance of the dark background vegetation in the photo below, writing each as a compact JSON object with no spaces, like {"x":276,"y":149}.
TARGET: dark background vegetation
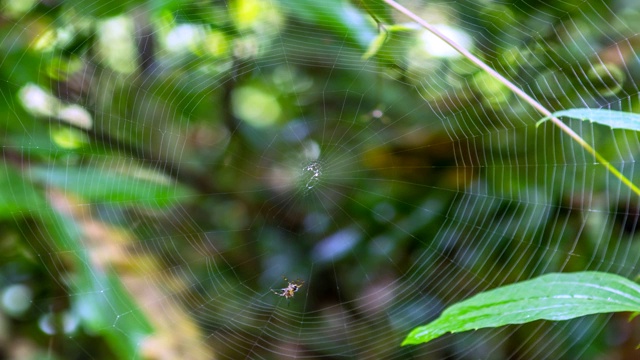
{"x":153,"y":186}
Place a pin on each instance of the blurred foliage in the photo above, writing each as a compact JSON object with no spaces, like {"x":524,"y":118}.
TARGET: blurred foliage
{"x":165,"y":162}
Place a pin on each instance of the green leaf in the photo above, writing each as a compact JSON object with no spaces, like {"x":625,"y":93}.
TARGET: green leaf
{"x":549,"y":297}
{"x":377,"y":9}
{"x":615,"y":119}
{"x":101,"y":8}
{"x":17,"y":194}
{"x":96,"y":184}
{"x":107,"y":308}
{"x":101,"y":300}
{"x":376,"y":44}
{"x":338,"y":16}
{"x":384,"y":35}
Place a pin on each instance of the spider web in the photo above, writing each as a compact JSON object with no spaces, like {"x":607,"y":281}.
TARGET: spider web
{"x":252,"y":141}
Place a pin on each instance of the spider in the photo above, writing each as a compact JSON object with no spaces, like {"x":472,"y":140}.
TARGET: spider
{"x":291,"y":288}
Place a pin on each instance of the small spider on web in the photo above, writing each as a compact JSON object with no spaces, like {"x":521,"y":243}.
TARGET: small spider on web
{"x":289,"y":291}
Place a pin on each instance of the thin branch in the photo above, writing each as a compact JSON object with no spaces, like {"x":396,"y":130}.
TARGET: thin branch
{"x":524,"y":96}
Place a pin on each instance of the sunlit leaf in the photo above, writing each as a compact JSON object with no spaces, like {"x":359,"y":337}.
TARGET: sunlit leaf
{"x":615,"y":119}
{"x":386,"y":37}
{"x":548,"y":297}
{"x":375,"y":45}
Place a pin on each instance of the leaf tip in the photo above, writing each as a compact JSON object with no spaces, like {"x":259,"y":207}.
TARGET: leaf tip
{"x":376,"y":44}
{"x":411,"y":340}
{"x":542,"y":120}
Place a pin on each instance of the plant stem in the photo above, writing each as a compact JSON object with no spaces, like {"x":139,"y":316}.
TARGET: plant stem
{"x":524,"y":96}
